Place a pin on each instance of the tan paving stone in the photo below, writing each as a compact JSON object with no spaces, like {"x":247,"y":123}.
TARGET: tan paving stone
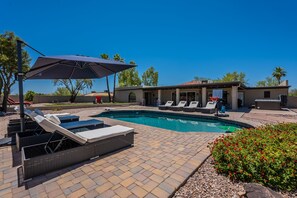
{"x":156,"y":178}
{"x":88,"y":183}
{"x":160,"y":192}
{"x":149,"y":186}
{"x":78,"y":193}
{"x":123,"y":192}
{"x":127,"y":182}
{"x":139,"y":192}
{"x":104,"y":187}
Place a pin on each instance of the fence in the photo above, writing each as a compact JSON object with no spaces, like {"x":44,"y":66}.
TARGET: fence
{"x":57,"y":99}
{"x":292,"y":101}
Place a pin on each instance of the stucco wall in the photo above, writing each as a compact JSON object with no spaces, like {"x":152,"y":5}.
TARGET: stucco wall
{"x":123,"y":95}
{"x":292,"y":101}
{"x":252,"y":94}
{"x":51,"y":99}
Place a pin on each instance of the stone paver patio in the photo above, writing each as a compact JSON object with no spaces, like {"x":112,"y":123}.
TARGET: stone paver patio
{"x":156,"y":166}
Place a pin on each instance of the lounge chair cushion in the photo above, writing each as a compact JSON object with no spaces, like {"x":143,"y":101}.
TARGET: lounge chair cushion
{"x":53,"y":118}
{"x":80,"y":124}
{"x":51,"y":127}
{"x":104,"y":133}
{"x":181,"y":104}
{"x":193,"y":104}
{"x":39,"y":112}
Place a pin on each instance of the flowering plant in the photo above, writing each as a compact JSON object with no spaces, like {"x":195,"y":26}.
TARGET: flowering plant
{"x":266,"y":155}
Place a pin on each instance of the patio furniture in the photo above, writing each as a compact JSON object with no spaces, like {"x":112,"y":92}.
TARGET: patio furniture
{"x":179,"y":107}
{"x":72,"y":147}
{"x":63,"y":117}
{"x":268,"y":104}
{"x":192,"y":106}
{"x":209,"y":108}
{"x":166,"y":106}
{"x":39,"y":135}
{"x":10,"y":101}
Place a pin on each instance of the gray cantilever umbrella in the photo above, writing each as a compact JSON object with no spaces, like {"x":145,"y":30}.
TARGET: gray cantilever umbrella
{"x":74,"y":67}
{"x":67,"y":67}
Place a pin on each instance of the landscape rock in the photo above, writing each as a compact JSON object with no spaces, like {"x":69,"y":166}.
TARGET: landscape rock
{"x":254,"y":190}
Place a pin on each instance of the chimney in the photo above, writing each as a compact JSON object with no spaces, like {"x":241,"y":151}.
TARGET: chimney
{"x":284,"y":83}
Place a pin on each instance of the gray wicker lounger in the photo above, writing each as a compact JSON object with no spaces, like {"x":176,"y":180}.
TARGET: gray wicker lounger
{"x":38,"y":135}
{"x":179,"y":107}
{"x":210,"y":108}
{"x":72,"y":148}
{"x":192,"y":107}
{"x":63,"y":117}
{"x":166,"y":106}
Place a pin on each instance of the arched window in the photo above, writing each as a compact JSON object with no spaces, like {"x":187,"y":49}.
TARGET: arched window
{"x":132,"y":97}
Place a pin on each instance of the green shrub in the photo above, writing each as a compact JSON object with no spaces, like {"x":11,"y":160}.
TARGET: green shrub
{"x":29,"y":96}
{"x":266,"y":155}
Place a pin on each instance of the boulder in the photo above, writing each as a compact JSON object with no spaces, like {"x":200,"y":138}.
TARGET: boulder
{"x":258,"y":191}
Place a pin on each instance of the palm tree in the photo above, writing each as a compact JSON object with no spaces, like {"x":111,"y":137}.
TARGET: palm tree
{"x":116,"y":57}
{"x":278,"y":73}
{"x":105,"y":56}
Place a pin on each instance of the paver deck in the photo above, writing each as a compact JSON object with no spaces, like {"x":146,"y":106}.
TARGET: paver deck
{"x":156,"y":166}
{"x":160,"y":161}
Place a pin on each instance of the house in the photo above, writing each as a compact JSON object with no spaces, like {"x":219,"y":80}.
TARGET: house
{"x":234,"y":94}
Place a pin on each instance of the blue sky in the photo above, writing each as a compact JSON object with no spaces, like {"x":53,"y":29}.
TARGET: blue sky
{"x":181,"y":39}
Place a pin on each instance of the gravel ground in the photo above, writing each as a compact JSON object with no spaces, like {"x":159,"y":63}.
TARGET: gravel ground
{"x":207,"y":183}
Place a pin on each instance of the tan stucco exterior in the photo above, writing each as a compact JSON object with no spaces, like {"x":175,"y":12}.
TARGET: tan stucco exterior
{"x":252,"y":94}
{"x":232,"y":93}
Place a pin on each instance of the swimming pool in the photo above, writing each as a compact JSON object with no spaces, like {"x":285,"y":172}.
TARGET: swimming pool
{"x":175,"y":122}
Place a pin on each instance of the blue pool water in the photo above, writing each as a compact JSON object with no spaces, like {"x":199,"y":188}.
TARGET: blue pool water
{"x":180,"y":123}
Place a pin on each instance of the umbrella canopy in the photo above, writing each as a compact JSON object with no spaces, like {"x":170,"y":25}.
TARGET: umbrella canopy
{"x":74,"y":67}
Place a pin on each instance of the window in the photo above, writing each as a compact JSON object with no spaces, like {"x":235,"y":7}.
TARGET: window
{"x":132,"y":97}
{"x":266,"y":94}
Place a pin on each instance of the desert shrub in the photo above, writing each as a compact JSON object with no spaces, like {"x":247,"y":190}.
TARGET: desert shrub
{"x":29,"y":96}
{"x":266,"y":155}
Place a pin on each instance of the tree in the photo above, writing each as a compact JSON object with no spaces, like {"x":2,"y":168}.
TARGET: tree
{"x":234,"y":76}
{"x":268,"y":82}
{"x":129,"y":77}
{"x":105,"y":56}
{"x":200,"y":78}
{"x":29,"y":96}
{"x":293,"y":92}
{"x":150,"y":77}
{"x":62,"y":91}
{"x":74,"y":86}
{"x":8,"y":64}
{"x":116,"y":57}
{"x":278,"y":73}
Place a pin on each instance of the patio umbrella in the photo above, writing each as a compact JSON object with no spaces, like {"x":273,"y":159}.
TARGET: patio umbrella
{"x":74,"y":67}
{"x":68,"y":67}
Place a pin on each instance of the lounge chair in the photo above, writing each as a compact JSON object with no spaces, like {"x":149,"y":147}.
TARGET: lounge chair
{"x":63,"y":117}
{"x":192,"y":107}
{"x":179,"y":107}
{"x":10,"y":101}
{"x":210,"y":108}
{"x":166,"y":106}
{"x":39,"y":135}
{"x":72,"y":148}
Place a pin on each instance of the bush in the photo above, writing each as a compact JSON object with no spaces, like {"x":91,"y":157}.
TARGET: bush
{"x":29,"y":96}
{"x":266,"y":155}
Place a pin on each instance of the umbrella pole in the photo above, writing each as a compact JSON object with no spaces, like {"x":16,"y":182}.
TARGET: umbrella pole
{"x":20,"y":79}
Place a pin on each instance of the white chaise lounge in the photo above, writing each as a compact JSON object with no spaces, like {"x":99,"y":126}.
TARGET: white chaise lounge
{"x":179,"y":107}
{"x":192,"y":106}
{"x":166,"y":106}
{"x":209,"y":108}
